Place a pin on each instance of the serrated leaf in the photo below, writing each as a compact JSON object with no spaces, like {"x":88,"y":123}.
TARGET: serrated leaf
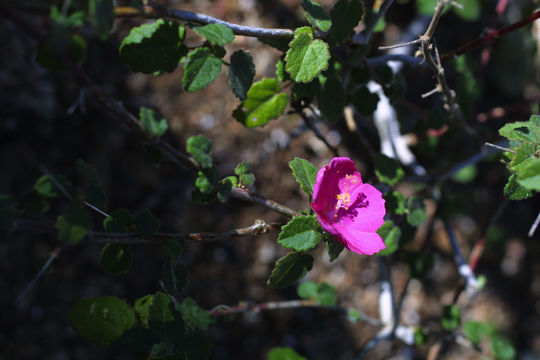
{"x":146,"y":223}
{"x":345,"y":15}
{"x":333,"y":247}
{"x":200,"y":147}
{"x":206,"y":180}
{"x":116,"y":259}
{"x":289,"y":269}
{"x":514,"y":191}
{"x":174,"y":277}
{"x":245,"y":173}
{"x":194,"y":315}
{"x":73,"y":224}
{"x":164,"y":320}
{"x":316,"y":15}
{"x":395,"y":203}
{"x":154,"y":124}
{"x":120,"y":220}
{"x":416,"y":211}
{"x":529,"y":174}
{"x":522,"y":131}
{"x":201,"y":69}
{"x":388,"y":170}
{"x":522,"y":153}
{"x":241,"y":73}
{"x":365,"y":101}
{"x":300,"y":234}
{"x":264,"y":103}
{"x":332,"y":99}
{"x":307,"y":57}
{"x":45,"y":187}
{"x":307,"y":290}
{"x":101,"y":14}
{"x":391,"y":235}
{"x":305,"y":174}
{"x":284,"y":353}
{"x":217,"y":34}
{"x":101,"y":320}
{"x":155,"y":47}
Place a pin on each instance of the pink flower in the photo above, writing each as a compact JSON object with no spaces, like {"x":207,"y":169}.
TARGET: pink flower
{"x":347,"y":208}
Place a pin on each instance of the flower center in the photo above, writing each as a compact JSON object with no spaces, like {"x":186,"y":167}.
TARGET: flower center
{"x":343,"y":201}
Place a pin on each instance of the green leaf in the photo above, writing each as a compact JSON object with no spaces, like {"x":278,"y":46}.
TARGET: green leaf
{"x":245,"y":173}
{"x":316,"y":15}
{"x":200,"y":147}
{"x":281,"y":43}
{"x":333,"y":247}
{"x":73,"y":224}
{"x":300,"y":234}
{"x":284,"y":353}
{"x":514,"y":191}
{"x":173,"y":247}
{"x":306,"y":91}
{"x":326,"y":295}
{"x":395,"y":203}
{"x":451,"y":317}
{"x":144,"y":342}
{"x":307,"y":290}
{"x":206,"y":180}
{"x":365,"y":101}
{"x":332,"y":99}
{"x":155,"y":47}
{"x":522,"y":130}
{"x":391,"y":235}
{"x":470,"y":10}
{"x":174,"y":277}
{"x":241,"y":73}
{"x":307,"y":57}
{"x":281,"y":75}
{"x":502,"y":348}
{"x":353,"y":315}
{"x":305,"y":174}
{"x":474,"y":331}
{"x":164,"y":320}
{"x":101,"y":14}
{"x":264,"y":103}
{"x":289,"y":269}
{"x":346,"y":14}
{"x":201,"y":198}
{"x":142,"y":308}
{"x":224,"y":187}
{"x":154,"y":125}
{"x":46,"y":188}
{"x":523,"y":152}
{"x":465,"y":175}
{"x":194,"y":315}
{"x":416,"y":211}
{"x":120,"y":220}
{"x":146,"y":223}
{"x":217,"y":34}
{"x":388,"y":170}
{"x":116,"y":259}
{"x":201,"y":70}
{"x":101,"y":320}
{"x":529,"y":174}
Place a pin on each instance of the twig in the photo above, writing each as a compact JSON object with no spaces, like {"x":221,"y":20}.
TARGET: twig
{"x":317,"y":132}
{"x":246,"y":195}
{"x":534,"y":226}
{"x":365,"y":35}
{"x":498,"y":147}
{"x":463,"y":268}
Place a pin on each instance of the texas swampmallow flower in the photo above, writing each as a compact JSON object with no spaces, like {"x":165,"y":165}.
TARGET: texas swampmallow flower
{"x":347,"y":208}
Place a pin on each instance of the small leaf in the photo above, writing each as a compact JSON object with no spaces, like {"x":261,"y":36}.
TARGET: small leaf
{"x":289,"y":269}
{"x":466,"y":174}
{"x":391,"y":235}
{"x":164,"y":320}
{"x":194,"y":315}
{"x":346,"y":14}
{"x":281,"y":75}
{"x":300,"y":234}
{"x":475,"y":331}
{"x":224,"y":187}
{"x":502,"y":348}
{"x":146,"y":223}
{"x":333,"y":247}
{"x":101,"y":320}
{"x":101,"y":14}
{"x":73,"y":224}
{"x":201,"y":70}
{"x":206,"y":180}
{"x":173,"y":247}
{"x":529,"y":174}
{"x":217,"y":34}
{"x":307,"y":290}
{"x":284,"y":353}
{"x":174,"y":277}
{"x":451,"y":318}
{"x":514,"y":191}
{"x":245,"y":173}
{"x":332,"y":99}
{"x":154,"y":125}
{"x":326,"y":295}
{"x":388,"y":170}
{"x":523,"y":152}
{"x":316,"y":15}
{"x":395,"y":203}
{"x":305,"y":174}
{"x":154,"y":47}
{"x":416,"y":211}
{"x":200,"y":147}
{"x":307,"y":57}
{"x":45,"y":187}
{"x":120,"y":220}
{"x":241,"y":73}
{"x":264,"y":102}
{"x":365,"y":101}
{"x":353,"y":315}
{"x":116,"y":259}
{"x":522,"y":131}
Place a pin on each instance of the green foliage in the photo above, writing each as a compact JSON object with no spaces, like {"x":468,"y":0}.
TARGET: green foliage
{"x":201,"y":69}
{"x":101,"y":14}
{"x":323,"y":293}
{"x":116,"y":259}
{"x":91,"y":190}
{"x":206,"y":180}
{"x":217,"y":34}
{"x":175,"y":277}
{"x":391,"y":235}
{"x":264,"y":103}
{"x":465,"y":175}
{"x":164,"y":320}
{"x":345,"y":16}
{"x":224,"y":187}
{"x":416,"y":210}
{"x":395,"y":202}
{"x":245,"y":173}
{"x":300,"y":234}
{"x":316,"y":15}
{"x":194,"y":315}
{"x":155,"y":47}
{"x":284,"y":353}
{"x":73,"y":224}
{"x":305,"y":173}
{"x":173,"y":247}
{"x":365,"y":101}
{"x":332,"y":99}
{"x":120,"y":220}
{"x":241,"y":73}
{"x":451,"y":317}
{"x":154,"y":125}
{"x":146,"y":223}
{"x":353,"y":315}
{"x":470,"y":10}
{"x":307,"y":57}
{"x":514,"y":191}
{"x":502,"y":348}
{"x":101,"y":320}
{"x":333,"y":247}
{"x":475,"y":331}
{"x":46,"y":188}
{"x":388,"y":170}
{"x":200,"y":147}
{"x":289,"y":269}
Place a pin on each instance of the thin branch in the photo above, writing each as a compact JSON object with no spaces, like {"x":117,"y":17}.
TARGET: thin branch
{"x":462,"y":266}
{"x":52,"y":257}
{"x":367,"y":33}
{"x":246,"y":195}
{"x":317,"y":132}
{"x":383,"y":59}
{"x":534,"y":226}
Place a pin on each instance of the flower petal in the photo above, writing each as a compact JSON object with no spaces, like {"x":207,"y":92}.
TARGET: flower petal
{"x":368,"y":213}
{"x":363,"y":243}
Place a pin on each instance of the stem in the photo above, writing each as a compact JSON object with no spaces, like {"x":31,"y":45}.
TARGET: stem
{"x":367,"y":33}
{"x":54,"y":255}
{"x":463,"y":268}
{"x":246,"y":195}
{"x":317,"y":132}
